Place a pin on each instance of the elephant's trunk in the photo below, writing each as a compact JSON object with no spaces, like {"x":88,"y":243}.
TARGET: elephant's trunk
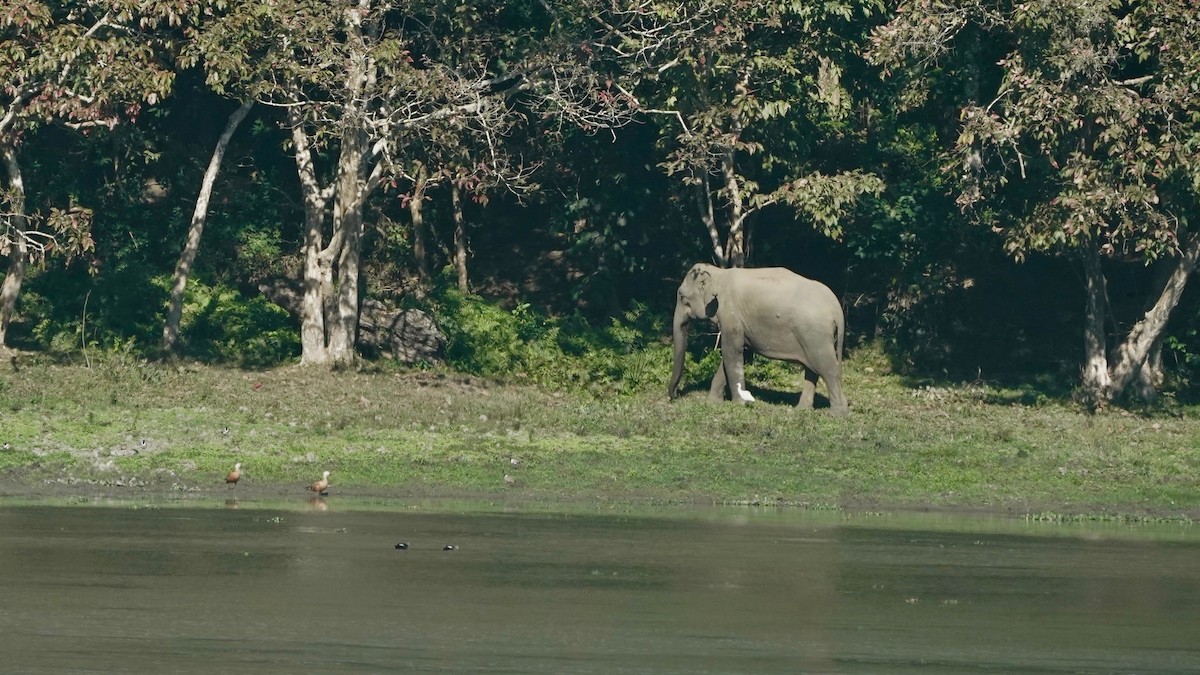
{"x":680,"y":334}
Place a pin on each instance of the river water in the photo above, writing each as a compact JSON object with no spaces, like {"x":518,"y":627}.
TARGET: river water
{"x":320,"y":586}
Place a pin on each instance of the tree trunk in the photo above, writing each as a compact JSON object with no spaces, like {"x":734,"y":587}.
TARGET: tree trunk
{"x":1095,"y":369}
{"x":19,"y":245}
{"x":348,"y":221}
{"x":707,"y":216}
{"x":460,"y":239}
{"x":187,"y":258}
{"x":329,"y":312}
{"x":736,"y":246}
{"x":1150,"y":376}
{"x":416,"y":209}
{"x":318,"y":273}
{"x":1134,"y":352}
{"x":352,"y":188}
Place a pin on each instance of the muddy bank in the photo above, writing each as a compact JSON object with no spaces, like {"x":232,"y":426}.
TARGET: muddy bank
{"x":35,"y":486}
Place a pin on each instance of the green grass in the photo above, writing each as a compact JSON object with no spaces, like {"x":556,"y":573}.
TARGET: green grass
{"x":78,"y":429}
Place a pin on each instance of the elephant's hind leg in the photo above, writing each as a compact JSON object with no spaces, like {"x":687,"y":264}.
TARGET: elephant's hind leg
{"x":838,"y":406}
{"x":808,"y":391}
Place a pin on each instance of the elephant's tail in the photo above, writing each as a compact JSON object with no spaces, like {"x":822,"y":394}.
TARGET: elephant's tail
{"x":839,"y":336}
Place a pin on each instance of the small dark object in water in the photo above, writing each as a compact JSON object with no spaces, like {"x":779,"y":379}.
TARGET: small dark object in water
{"x":449,"y":547}
{"x":401,"y":546}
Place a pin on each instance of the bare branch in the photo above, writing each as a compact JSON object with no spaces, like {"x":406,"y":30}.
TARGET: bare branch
{"x":673,"y":113}
{"x":1134,"y":81}
{"x":35,"y":241}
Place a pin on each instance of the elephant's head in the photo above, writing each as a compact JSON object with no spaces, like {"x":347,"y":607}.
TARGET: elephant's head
{"x":696,"y":299}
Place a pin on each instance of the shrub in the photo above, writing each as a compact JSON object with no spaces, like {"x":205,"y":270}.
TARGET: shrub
{"x":222,"y":325}
{"x":626,"y":355}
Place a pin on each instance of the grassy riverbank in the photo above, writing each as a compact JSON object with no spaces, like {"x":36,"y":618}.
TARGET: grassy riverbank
{"x":74,"y":429}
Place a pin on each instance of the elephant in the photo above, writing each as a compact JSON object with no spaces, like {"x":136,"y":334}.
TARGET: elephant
{"x":774,"y":312}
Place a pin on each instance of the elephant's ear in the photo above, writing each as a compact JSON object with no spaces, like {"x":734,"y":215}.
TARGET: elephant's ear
{"x":707,"y":289}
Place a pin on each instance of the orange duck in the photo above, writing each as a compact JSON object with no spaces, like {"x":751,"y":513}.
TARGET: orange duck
{"x":235,"y":475}
{"x":321,"y":487}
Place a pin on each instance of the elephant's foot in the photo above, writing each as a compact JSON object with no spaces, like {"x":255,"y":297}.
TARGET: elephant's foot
{"x":840,"y":411}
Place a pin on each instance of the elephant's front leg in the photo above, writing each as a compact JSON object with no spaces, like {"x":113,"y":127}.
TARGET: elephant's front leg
{"x":716,"y":391}
{"x":808,"y":391}
{"x":732,"y":355}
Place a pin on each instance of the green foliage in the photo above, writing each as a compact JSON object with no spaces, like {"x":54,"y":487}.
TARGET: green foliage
{"x":69,"y":310}
{"x":624,"y":356}
{"x":259,"y":253}
{"x":1181,"y":352}
{"x":221,"y":325}
{"x":1075,"y":136}
{"x":120,"y":312}
{"x":1073,"y":131}
{"x":482,"y":337}
{"x":758,"y":102}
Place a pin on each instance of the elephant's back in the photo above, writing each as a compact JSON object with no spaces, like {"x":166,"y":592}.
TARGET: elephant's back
{"x":790,"y":283}
{"x":776,"y":274}
{"x":789,"y":297}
